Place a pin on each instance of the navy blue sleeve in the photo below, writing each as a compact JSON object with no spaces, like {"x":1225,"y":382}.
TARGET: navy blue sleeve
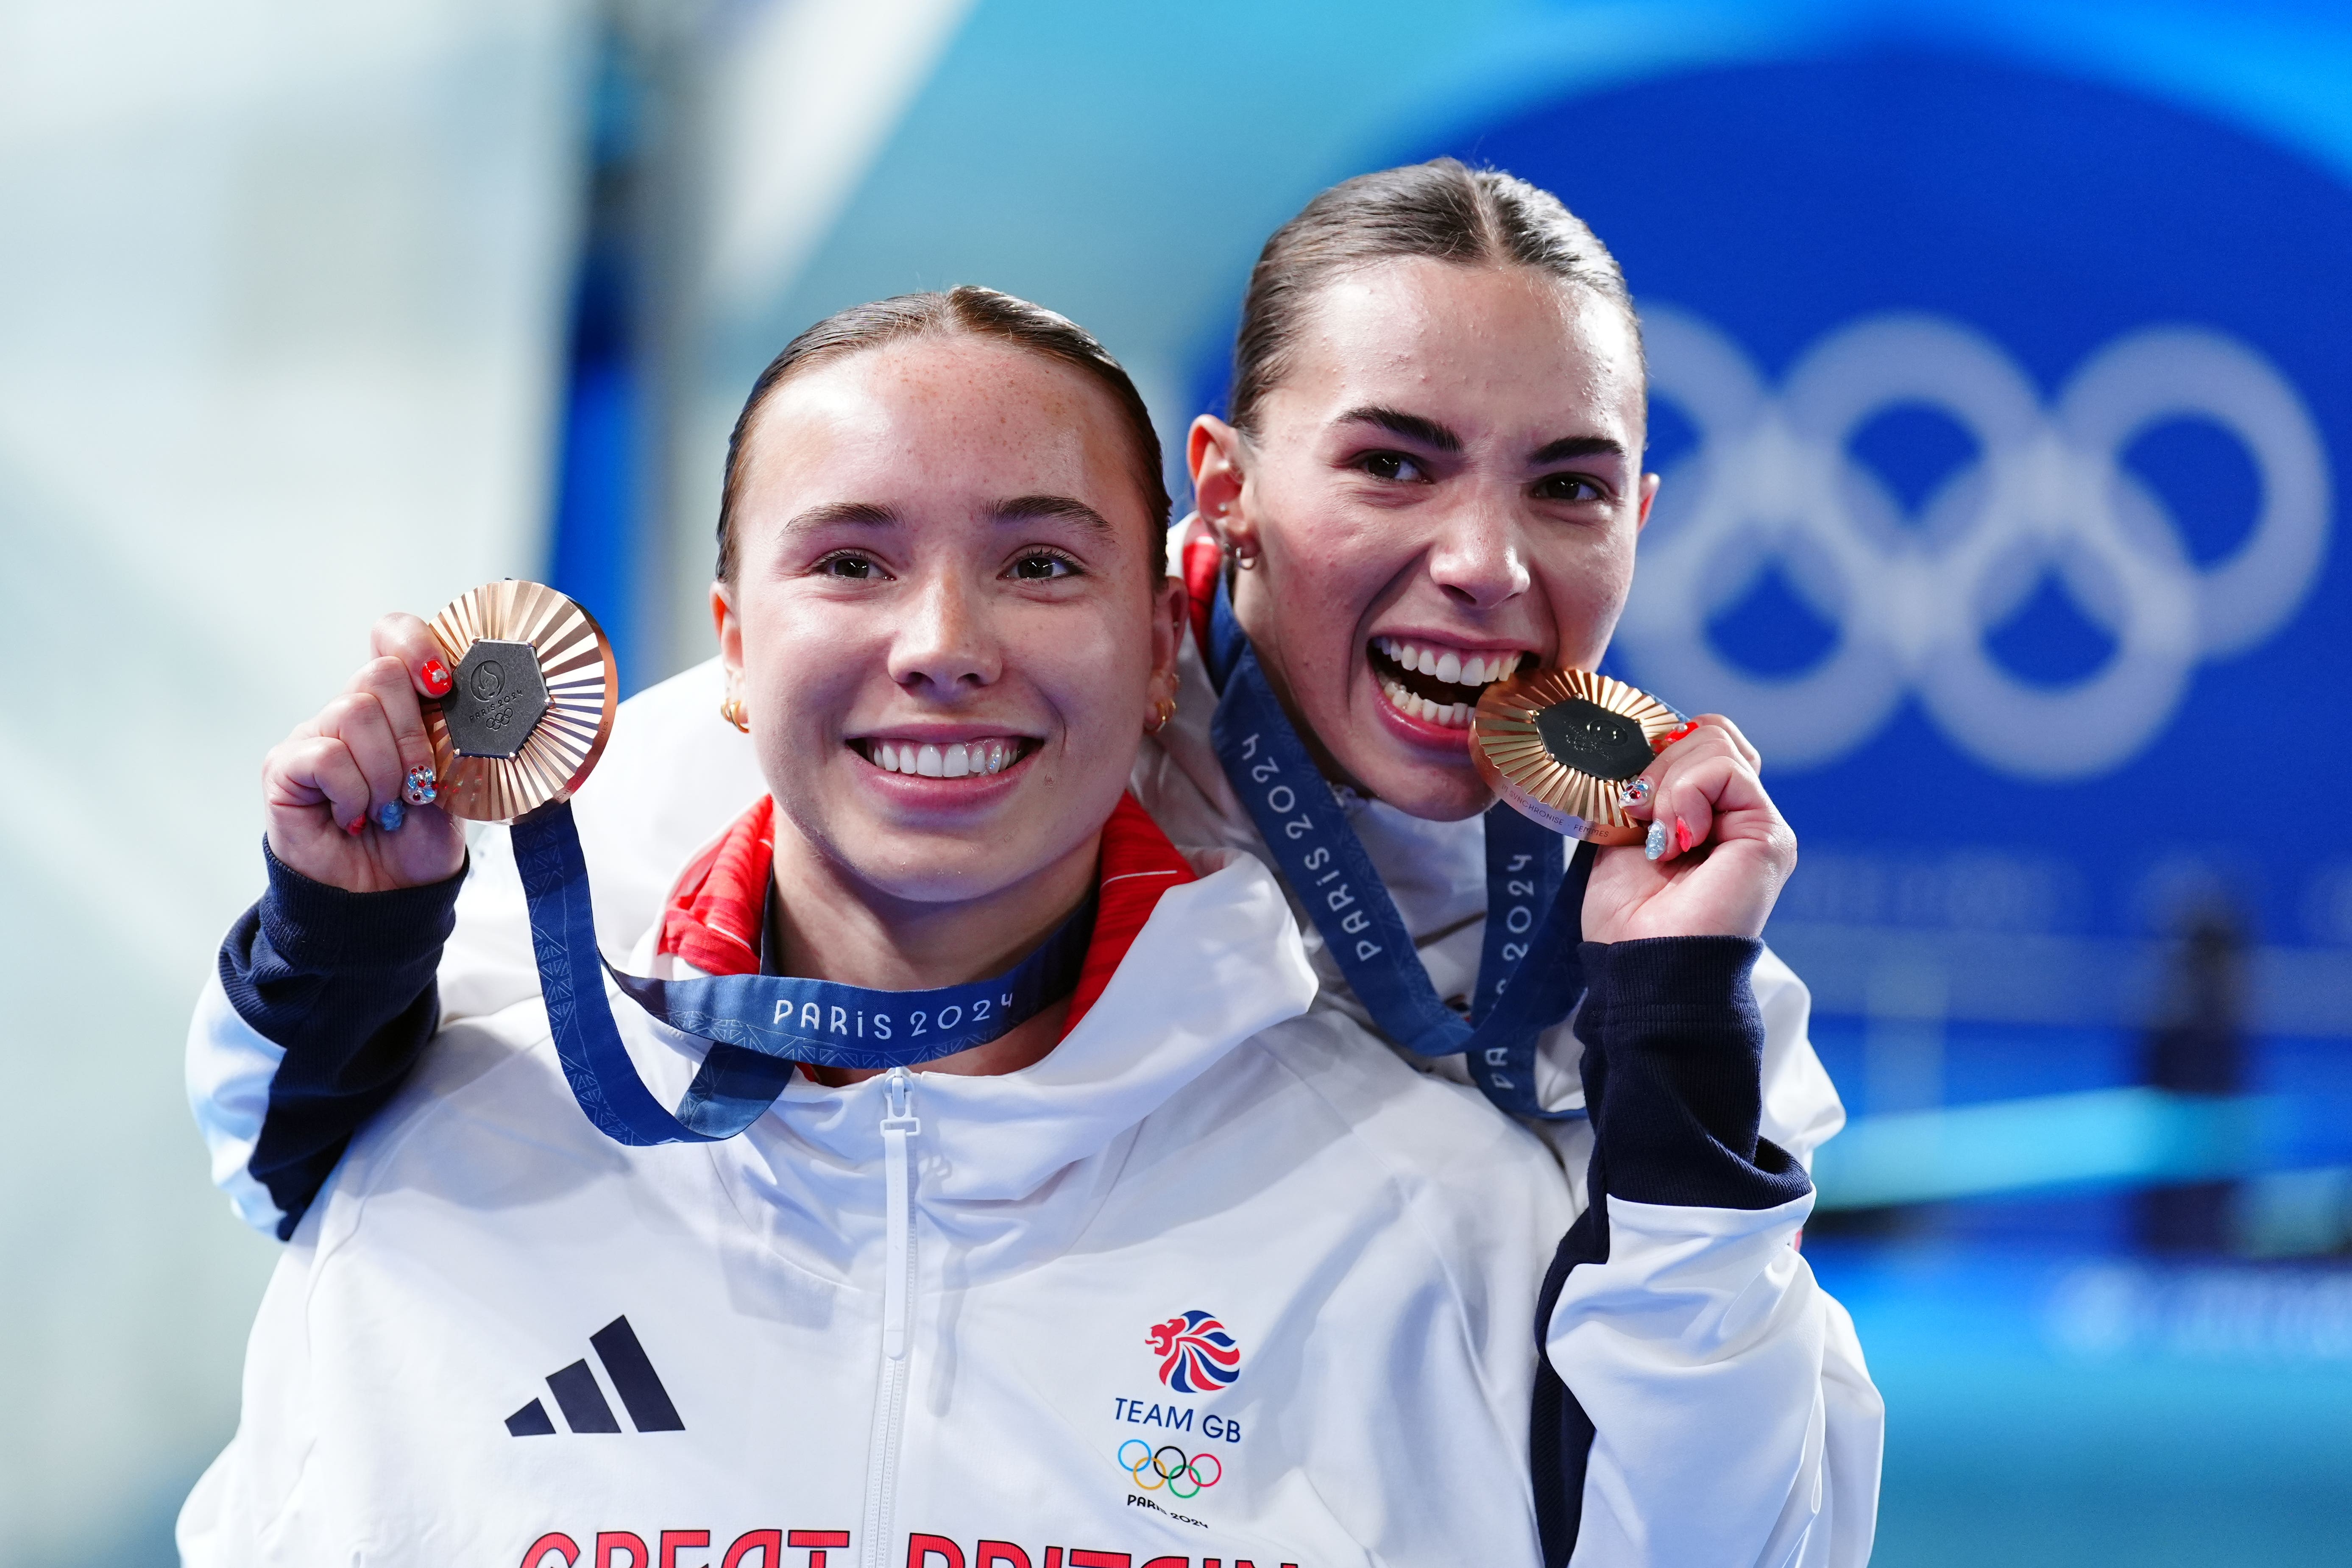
{"x":1674,"y":1071}
{"x":345,"y":983}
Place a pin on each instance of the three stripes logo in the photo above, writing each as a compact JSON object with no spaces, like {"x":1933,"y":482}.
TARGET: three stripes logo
{"x":582,"y":1398}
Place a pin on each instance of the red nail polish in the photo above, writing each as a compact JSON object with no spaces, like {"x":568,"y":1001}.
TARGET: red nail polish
{"x":357,"y":823}
{"x":1682,"y":839}
{"x":437,"y":677}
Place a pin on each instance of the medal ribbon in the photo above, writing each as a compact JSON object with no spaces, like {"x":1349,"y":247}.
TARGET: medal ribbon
{"x":1530,"y":972}
{"x":759,"y":1026}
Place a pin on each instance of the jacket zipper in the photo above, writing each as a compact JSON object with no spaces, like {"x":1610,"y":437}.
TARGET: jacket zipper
{"x":899,"y":1124}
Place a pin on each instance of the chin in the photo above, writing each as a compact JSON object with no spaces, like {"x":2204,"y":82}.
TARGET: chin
{"x":1431,"y":793}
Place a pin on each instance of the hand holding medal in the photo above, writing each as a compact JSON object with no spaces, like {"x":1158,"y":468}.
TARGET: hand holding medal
{"x":1594,"y":759}
{"x":501,"y":704}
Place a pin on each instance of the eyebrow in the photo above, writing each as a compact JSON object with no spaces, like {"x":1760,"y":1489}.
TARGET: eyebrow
{"x":1412,"y":426}
{"x":1442,"y":438}
{"x":833,"y":511}
{"x":1577,"y":447}
{"x":1068,"y":509}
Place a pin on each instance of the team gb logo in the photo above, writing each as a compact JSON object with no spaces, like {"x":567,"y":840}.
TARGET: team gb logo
{"x":1196,"y":1355}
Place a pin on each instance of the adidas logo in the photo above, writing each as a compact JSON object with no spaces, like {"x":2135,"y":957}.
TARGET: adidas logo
{"x":582,"y":1398}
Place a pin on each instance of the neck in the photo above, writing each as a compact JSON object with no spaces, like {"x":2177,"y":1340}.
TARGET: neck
{"x":831,"y":926}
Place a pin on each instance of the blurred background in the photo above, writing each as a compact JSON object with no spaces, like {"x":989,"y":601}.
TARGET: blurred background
{"x":2002,"y":383}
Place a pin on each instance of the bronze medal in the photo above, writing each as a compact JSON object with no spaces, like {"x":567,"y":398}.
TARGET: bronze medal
{"x":1558,"y":745}
{"x":532,"y":704}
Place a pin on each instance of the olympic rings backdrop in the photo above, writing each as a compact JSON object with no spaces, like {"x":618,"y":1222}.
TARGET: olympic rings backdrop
{"x":2002,"y":392}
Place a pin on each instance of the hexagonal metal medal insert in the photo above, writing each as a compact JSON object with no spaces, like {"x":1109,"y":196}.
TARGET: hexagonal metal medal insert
{"x":1588,"y":737}
{"x":499,"y":696}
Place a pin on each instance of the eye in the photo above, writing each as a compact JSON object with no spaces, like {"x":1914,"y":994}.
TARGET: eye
{"x":1392,"y":468}
{"x":855,"y":566}
{"x":1041,"y":566}
{"x":1568,"y":488}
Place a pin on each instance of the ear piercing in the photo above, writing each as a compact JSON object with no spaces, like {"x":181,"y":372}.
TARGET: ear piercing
{"x":732,"y":710}
{"x":1161,"y":712}
{"x":1244,"y":557}
{"x":419,"y":788}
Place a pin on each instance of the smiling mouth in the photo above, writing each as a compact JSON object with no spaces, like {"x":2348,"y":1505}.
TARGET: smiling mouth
{"x":1437,"y":685}
{"x":954,"y":759}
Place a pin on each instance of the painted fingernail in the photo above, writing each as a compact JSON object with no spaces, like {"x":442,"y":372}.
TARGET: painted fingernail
{"x":1682,"y":839}
{"x":437,"y":677}
{"x":1678,"y":732}
{"x":356,"y":826}
{"x":1655,"y":844}
{"x":420,"y":789}
{"x":1635,"y":793}
{"x":390,"y":815}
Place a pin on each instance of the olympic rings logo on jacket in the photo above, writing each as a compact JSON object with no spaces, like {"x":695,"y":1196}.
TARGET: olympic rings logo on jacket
{"x":1169,"y":1466}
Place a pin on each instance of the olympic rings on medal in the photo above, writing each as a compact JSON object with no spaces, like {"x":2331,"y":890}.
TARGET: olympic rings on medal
{"x":1169,"y":1466}
{"x":2047,"y":497}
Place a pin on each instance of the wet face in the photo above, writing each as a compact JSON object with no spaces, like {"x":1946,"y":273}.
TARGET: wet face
{"x":1446,"y":486}
{"x":947,"y":629}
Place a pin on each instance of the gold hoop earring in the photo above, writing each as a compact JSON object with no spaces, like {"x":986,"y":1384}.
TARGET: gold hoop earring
{"x":732,"y":710}
{"x":1161,"y":712}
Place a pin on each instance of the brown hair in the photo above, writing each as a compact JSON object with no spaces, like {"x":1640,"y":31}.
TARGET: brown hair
{"x":965,"y":311}
{"x":1444,"y":210}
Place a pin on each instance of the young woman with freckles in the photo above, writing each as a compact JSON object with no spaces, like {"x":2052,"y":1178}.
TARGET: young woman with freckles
{"x":1173,"y":1272}
{"x":1432,"y":474}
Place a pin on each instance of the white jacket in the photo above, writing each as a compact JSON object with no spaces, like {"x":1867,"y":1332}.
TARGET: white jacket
{"x":1706,"y":1362}
{"x":421,"y":1385}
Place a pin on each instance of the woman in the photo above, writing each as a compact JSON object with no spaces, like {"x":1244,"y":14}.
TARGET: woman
{"x":1165,"y":1271}
{"x":1344,"y":533}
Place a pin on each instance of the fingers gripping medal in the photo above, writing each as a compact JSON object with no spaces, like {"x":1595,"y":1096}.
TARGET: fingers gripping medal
{"x":1558,"y":746}
{"x":531,"y":706}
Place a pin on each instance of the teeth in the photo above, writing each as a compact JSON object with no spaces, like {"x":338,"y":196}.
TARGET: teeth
{"x":1473,"y":672}
{"x":1453,"y":715}
{"x":959,"y":760}
{"x":1449,"y":666}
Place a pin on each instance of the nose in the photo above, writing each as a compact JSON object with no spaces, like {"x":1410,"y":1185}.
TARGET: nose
{"x":946,"y":648}
{"x":1480,"y":558}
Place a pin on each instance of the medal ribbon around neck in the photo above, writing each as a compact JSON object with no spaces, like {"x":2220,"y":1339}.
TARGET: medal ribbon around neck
{"x":529,"y":711}
{"x":1530,"y":974}
{"x":759,"y":1026}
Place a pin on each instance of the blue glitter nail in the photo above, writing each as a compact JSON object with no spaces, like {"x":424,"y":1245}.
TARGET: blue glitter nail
{"x":390,"y":815}
{"x":1655,"y":844}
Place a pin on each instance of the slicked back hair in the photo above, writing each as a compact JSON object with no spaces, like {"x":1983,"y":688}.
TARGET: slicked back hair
{"x":1443,"y":210}
{"x":963,"y":311}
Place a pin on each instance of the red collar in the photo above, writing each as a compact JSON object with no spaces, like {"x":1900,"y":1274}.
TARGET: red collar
{"x":713,"y":918}
{"x":1205,"y":563}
